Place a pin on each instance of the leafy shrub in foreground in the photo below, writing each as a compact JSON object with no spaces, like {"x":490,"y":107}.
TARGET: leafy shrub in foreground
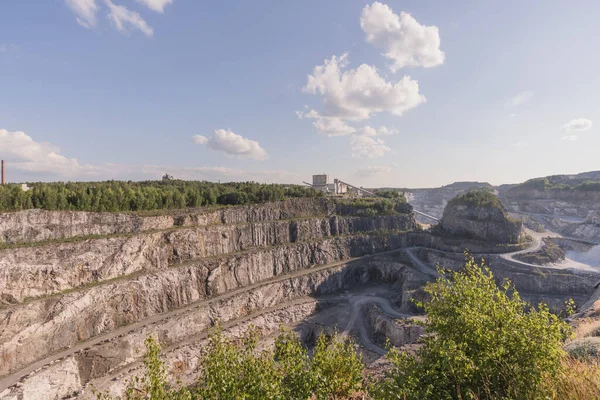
{"x":484,"y":343}
{"x":237,"y":370}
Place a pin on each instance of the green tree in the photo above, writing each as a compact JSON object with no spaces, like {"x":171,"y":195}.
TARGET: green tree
{"x":235,"y":371}
{"x":153,"y":383}
{"x":484,"y":342}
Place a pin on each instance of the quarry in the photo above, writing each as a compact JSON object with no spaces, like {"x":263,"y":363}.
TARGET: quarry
{"x":81,"y":291}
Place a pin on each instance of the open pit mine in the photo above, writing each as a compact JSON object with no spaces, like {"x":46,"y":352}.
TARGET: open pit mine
{"x":81,"y":291}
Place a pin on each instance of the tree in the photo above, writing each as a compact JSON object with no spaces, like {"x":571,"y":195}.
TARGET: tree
{"x":484,"y":343}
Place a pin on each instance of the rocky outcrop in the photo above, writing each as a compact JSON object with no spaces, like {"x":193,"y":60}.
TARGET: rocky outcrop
{"x":97,"y":363}
{"x":433,"y":201}
{"x":42,"y":225}
{"x":551,"y":286}
{"x":31,"y":330}
{"x":109,"y":280}
{"x":593,"y":218}
{"x":399,"y":332}
{"x":481,"y":220}
{"x":549,"y":253}
{"x":27,"y":272}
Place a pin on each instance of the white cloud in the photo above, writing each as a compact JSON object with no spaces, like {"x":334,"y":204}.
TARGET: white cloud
{"x":355,"y":94}
{"x":383,"y":130}
{"x":124,"y":19}
{"x":569,"y":137}
{"x":30,"y":160}
{"x":156,"y":5}
{"x":214,"y":173}
{"x":521,"y":144}
{"x":85,"y":10}
{"x":367,"y":131}
{"x":233,"y":145}
{"x":404,"y":40}
{"x":331,"y":126}
{"x":521,"y":98}
{"x":577,"y":125}
{"x":373,"y":170}
{"x":199,"y":139}
{"x":364,"y":146}
{"x":22,"y":153}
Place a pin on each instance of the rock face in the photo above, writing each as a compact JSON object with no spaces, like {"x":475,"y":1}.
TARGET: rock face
{"x":480,"y":219}
{"x":533,"y":284}
{"x":40,"y":225}
{"x":79,"y":292}
{"x":27,"y":272}
{"x":433,"y":201}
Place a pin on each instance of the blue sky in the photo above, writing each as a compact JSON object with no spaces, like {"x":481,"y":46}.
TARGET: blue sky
{"x":131,"y":89}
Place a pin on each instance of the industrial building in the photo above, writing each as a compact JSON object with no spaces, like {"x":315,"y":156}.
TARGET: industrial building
{"x":337,"y":187}
{"x":321,"y":182}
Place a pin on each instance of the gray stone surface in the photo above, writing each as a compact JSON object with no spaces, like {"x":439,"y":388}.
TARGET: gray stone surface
{"x":489,"y":224}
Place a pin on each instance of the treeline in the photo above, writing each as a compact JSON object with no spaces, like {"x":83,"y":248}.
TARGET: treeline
{"x":370,"y":207}
{"x":483,"y":342}
{"x":147,"y":195}
{"x":550,"y":184}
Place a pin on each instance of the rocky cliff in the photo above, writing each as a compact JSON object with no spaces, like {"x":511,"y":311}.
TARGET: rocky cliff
{"x":433,"y":201}
{"x":480,"y":215}
{"x":79,"y":292}
{"x":41,"y":225}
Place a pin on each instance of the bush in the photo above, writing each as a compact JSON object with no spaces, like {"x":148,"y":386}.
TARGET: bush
{"x":236,"y":370}
{"x":477,"y":198}
{"x":484,"y":343}
{"x":370,"y":207}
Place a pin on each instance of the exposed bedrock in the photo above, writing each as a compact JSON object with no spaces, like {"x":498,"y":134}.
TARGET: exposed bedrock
{"x":31,"y":330}
{"x":484,"y":223}
{"x":182,"y":333}
{"x":399,"y":332}
{"x":39,"y":225}
{"x":31,"y":271}
{"x":534,"y":284}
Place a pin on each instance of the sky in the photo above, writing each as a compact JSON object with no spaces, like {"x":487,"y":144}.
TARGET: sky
{"x":394,"y":93}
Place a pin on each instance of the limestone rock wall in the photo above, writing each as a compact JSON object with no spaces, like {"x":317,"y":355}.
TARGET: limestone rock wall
{"x":553,"y":287}
{"x":31,"y":330}
{"x":398,"y":332}
{"x":119,"y":356}
{"x":483,"y":223}
{"x":43,"y":270}
{"x":40,"y":225}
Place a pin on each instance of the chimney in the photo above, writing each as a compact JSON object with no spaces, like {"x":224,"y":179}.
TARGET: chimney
{"x":3,"y":177}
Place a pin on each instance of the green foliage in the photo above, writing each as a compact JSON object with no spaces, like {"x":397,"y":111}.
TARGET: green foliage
{"x":477,"y":198}
{"x":153,"y":383}
{"x":484,"y":343}
{"x":588,"y":186}
{"x":336,"y":368}
{"x":237,"y":370}
{"x":370,"y":207}
{"x":230,"y":371}
{"x":558,"y":182}
{"x":389,"y":194}
{"x":147,"y":195}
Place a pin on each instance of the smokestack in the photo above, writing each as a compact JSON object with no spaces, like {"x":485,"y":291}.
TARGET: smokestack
{"x":3,"y":177}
